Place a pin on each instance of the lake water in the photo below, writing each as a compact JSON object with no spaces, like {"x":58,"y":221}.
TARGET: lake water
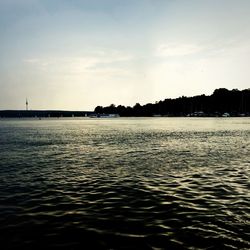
{"x":140,"y":183}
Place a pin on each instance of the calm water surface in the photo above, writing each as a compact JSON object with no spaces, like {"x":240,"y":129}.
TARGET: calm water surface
{"x":140,"y":183}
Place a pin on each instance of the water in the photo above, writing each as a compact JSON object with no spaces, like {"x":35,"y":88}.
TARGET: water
{"x":140,"y":183}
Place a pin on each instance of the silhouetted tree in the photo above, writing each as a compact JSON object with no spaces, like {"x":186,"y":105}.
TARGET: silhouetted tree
{"x":99,"y":110}
{"x":222,"y":100}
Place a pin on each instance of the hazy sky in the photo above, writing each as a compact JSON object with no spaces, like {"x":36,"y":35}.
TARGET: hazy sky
{"x":77,"y":54}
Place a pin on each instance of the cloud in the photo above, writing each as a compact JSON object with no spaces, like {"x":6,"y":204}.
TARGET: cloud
{"x":209,"y":48}
{"x":99,"y":63}
{"x":177,"y":49}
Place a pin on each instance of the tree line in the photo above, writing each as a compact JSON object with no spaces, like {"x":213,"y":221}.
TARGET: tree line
{"x":234,"y":102}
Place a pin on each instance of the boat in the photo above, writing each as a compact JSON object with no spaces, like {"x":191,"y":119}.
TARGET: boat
{"x":104,"y":116}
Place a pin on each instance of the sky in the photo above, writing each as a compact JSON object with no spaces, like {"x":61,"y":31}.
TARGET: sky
{"x":77,"y":54}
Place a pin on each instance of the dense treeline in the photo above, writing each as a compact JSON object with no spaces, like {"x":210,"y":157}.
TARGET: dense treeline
{"x":234,"y":102}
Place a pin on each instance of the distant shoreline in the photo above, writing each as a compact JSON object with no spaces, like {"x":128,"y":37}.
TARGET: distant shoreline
{"x":222,"y":102}
{"x":89,"y":114}
{"x":42,"y":113}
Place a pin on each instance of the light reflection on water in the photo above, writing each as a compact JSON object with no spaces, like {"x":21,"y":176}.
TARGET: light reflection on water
{"x":127,"y":182}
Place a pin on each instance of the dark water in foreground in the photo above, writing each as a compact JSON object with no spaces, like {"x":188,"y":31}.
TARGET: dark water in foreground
{"x":142,"y":183}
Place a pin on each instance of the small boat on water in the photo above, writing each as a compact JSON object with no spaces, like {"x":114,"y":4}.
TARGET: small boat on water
{"x":104,"y":116}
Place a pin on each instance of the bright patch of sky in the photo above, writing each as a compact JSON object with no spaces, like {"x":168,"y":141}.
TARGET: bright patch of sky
{"x":75,"y":55}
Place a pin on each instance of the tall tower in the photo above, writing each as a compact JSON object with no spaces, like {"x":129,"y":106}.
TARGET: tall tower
{"x":27,"y":104}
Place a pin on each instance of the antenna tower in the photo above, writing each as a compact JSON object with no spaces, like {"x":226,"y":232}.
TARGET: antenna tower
{"x":27,"y":104}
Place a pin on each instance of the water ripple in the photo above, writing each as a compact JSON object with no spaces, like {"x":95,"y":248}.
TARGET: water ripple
{"x":125,"y":183}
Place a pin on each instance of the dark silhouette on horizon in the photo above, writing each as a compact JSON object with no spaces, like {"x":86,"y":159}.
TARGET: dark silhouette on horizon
{"x":222,"y":102}
{"x":42,"y":113}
